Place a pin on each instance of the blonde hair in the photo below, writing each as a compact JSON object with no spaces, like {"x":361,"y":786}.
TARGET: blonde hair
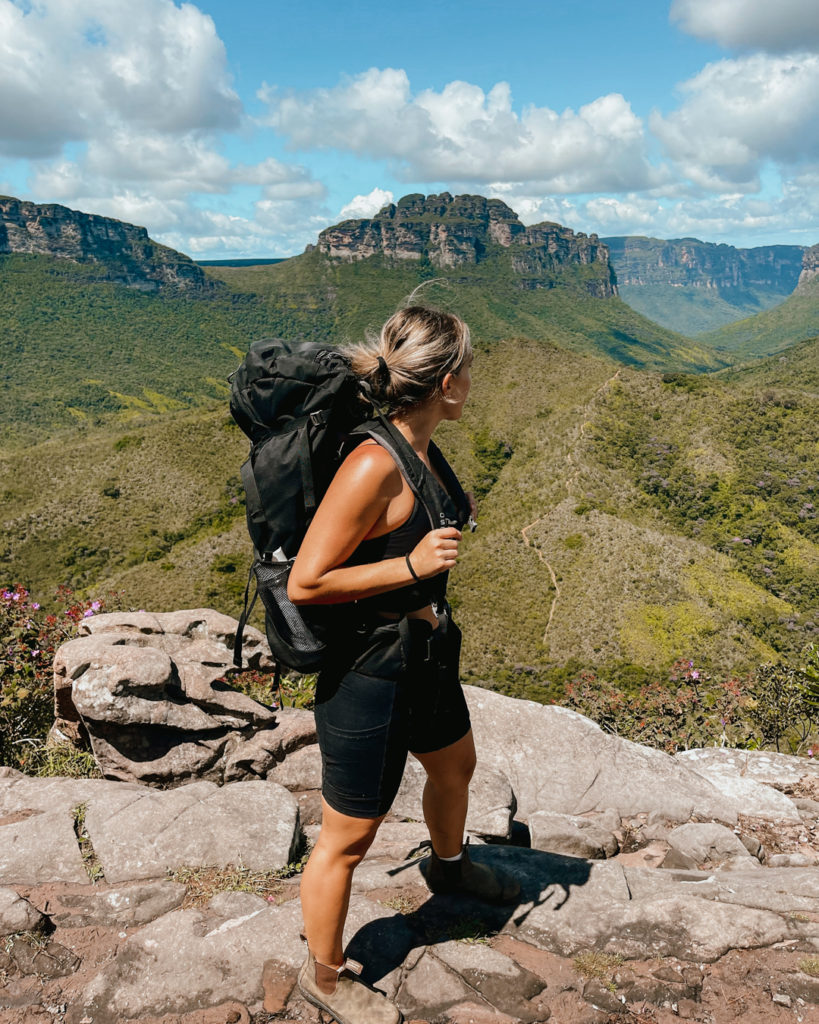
{"x":407,"y":363}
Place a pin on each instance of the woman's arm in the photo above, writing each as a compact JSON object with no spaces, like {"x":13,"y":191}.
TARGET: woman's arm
{"x":356,"y":501}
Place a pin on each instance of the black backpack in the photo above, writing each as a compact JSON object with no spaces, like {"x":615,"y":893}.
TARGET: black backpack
{"x":304,"y":409}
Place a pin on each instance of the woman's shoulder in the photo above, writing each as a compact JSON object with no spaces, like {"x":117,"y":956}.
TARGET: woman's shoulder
{"x":369,"y":463}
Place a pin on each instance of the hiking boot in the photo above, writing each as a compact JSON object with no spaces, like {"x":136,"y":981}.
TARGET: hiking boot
{"x":462,"y":876}
{"x":349,"y":1001}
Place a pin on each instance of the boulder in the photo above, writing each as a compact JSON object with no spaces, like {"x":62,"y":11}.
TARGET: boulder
{"x":16,"y":913}
{"x":571,"y":835}
{"x":558,"y":760}
{"x":145,"y":834}
{"x":706,"y":843}
{"x":148,"y":692}
{"x":124,"y":906}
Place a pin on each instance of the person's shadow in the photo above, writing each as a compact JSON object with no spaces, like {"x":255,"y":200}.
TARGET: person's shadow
{"x":546,"y":879}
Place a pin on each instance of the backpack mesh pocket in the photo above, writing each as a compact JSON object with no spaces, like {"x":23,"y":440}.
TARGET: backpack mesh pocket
{"x":291,"y":638}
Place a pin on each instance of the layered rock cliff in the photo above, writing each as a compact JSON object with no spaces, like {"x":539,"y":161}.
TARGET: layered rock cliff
{"x":452,"y":231}
{"x":125,"y":251}
{"x":690,"y":262}
{"x":810,"y":265}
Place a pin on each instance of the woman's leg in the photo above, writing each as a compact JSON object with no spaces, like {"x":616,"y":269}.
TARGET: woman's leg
{"x":446,"y":793}
{"x":326,"y":881}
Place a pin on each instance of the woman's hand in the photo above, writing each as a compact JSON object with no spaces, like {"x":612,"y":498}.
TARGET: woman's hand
{"x":436,"y":552}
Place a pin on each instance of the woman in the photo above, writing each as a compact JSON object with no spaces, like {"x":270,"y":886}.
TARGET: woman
{"x":397,"y":687}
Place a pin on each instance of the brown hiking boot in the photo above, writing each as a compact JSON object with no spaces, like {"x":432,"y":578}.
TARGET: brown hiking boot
{"x":462,"y":876}
{"x":337,"y":992}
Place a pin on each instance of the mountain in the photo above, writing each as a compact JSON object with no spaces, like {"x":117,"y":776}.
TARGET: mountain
{"x":472,"y":255}
{"x":775,"y":330}
{"x":627,"y":519}
{"x":692,"y":286}
{"x":124,"y":252}
{"x":127,"y":326}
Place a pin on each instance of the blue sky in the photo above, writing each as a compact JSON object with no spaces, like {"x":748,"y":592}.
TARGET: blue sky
{"x":242,"y":129}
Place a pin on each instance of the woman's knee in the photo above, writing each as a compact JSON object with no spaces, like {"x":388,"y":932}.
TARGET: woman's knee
{"x":346,"y":838}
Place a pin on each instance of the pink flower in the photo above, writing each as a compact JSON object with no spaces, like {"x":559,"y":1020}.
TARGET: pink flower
{"x":87,"y":613}
{"x":810,"y":752}
{"x":695,"y":675}
{"x":96,"y":605}
{"x":35,"y":606}
{"x":34,"y":653}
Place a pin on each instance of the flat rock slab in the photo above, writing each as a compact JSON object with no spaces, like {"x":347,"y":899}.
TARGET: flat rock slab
{"x":571,"y":835}
{"x":492,"y":803}
{"x":42,"y":847}
{"x":126,"y":906}
{"x":558,"y":760}
{"x":25,"y":792}
{"x":144,"y":834}
{"x":764,"y":766}
{"x":756,"y":799}
{"x":16,"y":913}
{"x":193,"y":959}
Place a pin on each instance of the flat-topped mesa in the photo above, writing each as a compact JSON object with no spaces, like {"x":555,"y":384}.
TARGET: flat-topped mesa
{"x":452,"y":231}
{"x":129,"y":256}
{"x":810,"y":265}
{"x":689,"y":262}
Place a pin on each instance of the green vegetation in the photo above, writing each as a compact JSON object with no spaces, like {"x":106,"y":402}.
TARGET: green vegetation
{"x":796,"y":319}
{"x":693,"y":310}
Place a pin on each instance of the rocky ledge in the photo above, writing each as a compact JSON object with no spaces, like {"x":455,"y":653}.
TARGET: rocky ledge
{"x":810,"y":265}
{"x":654,"y":888}
{"x":452,"y":231}
{"x":126,"y":252}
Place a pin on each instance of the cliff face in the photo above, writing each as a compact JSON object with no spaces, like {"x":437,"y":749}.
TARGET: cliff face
{"x":690,"y":262}
{"x":810,"y":265}
{"x":451,"y":231}
{"x":129,"y":256}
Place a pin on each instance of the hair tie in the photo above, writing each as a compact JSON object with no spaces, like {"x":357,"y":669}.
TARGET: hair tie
{"x":383,"y":371}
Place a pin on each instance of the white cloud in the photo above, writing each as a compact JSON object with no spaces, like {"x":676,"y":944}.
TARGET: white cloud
{"x":751,"y":24}
{"x":365,"y":206}
{"x":737,"y":114}
{"x":462,"y":133}
{"x":74,"y":71}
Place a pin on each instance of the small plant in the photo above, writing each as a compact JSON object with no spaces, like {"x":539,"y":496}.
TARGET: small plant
{"x":89,"y":858}
{"x":203,"y":883}
{"x":403,"y":904}
{"x":29,"y":638}
{"x":809,"y":965}
{"x":783,"y":705}
{"x":592,"y":964}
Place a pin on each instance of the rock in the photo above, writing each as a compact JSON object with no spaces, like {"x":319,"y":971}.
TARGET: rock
{"x":46,"y":959}
{"x":558,"y":760}
{"x":430,"y":989}
{"x":801,"y":986}
{"x":491,"y":800}
{"x":191,"y":959}
{"x":504,"y":984}
{"x":706,"y":842}
{"x":571,"y":835}
{"x":763,"y":766}
{"x":143,"y":835}
{"x":790,"y":860}
{"x":300,"y":770}
{"x":123,"y":252}
{"x":127,"y":906}
{"x":17,"y":914}
{"x":781,"y":999}
{"x":41,"y":848}
{"x":148,"y":692}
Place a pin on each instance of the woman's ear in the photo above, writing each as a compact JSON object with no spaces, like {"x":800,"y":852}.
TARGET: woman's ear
{"x":446,"y":386}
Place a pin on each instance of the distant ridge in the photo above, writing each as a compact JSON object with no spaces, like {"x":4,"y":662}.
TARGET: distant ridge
{"x":124,"y":252}
{"x":241,"y":263}
{"x":693,"y":286}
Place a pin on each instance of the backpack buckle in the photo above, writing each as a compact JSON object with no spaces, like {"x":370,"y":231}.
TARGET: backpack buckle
{"x":318,"y":419}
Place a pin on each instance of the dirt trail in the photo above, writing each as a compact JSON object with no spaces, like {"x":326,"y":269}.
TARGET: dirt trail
{"x":575,"y":466}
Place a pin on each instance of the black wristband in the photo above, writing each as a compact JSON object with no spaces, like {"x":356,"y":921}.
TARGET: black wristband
{"x":415,"y":575}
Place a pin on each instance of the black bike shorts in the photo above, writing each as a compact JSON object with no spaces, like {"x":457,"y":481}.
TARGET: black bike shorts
{"x":400,"y":694}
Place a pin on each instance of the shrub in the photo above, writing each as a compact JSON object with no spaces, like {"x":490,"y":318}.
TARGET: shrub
{"x":30,"y":637}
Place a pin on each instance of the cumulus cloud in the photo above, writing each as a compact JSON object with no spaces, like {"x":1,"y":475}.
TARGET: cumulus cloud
{"x":71,"y":71}
{"x":736,"y":114}
{"x":751,"y":24}
{"x":462,"y":133}
{"x":361,"y":207}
